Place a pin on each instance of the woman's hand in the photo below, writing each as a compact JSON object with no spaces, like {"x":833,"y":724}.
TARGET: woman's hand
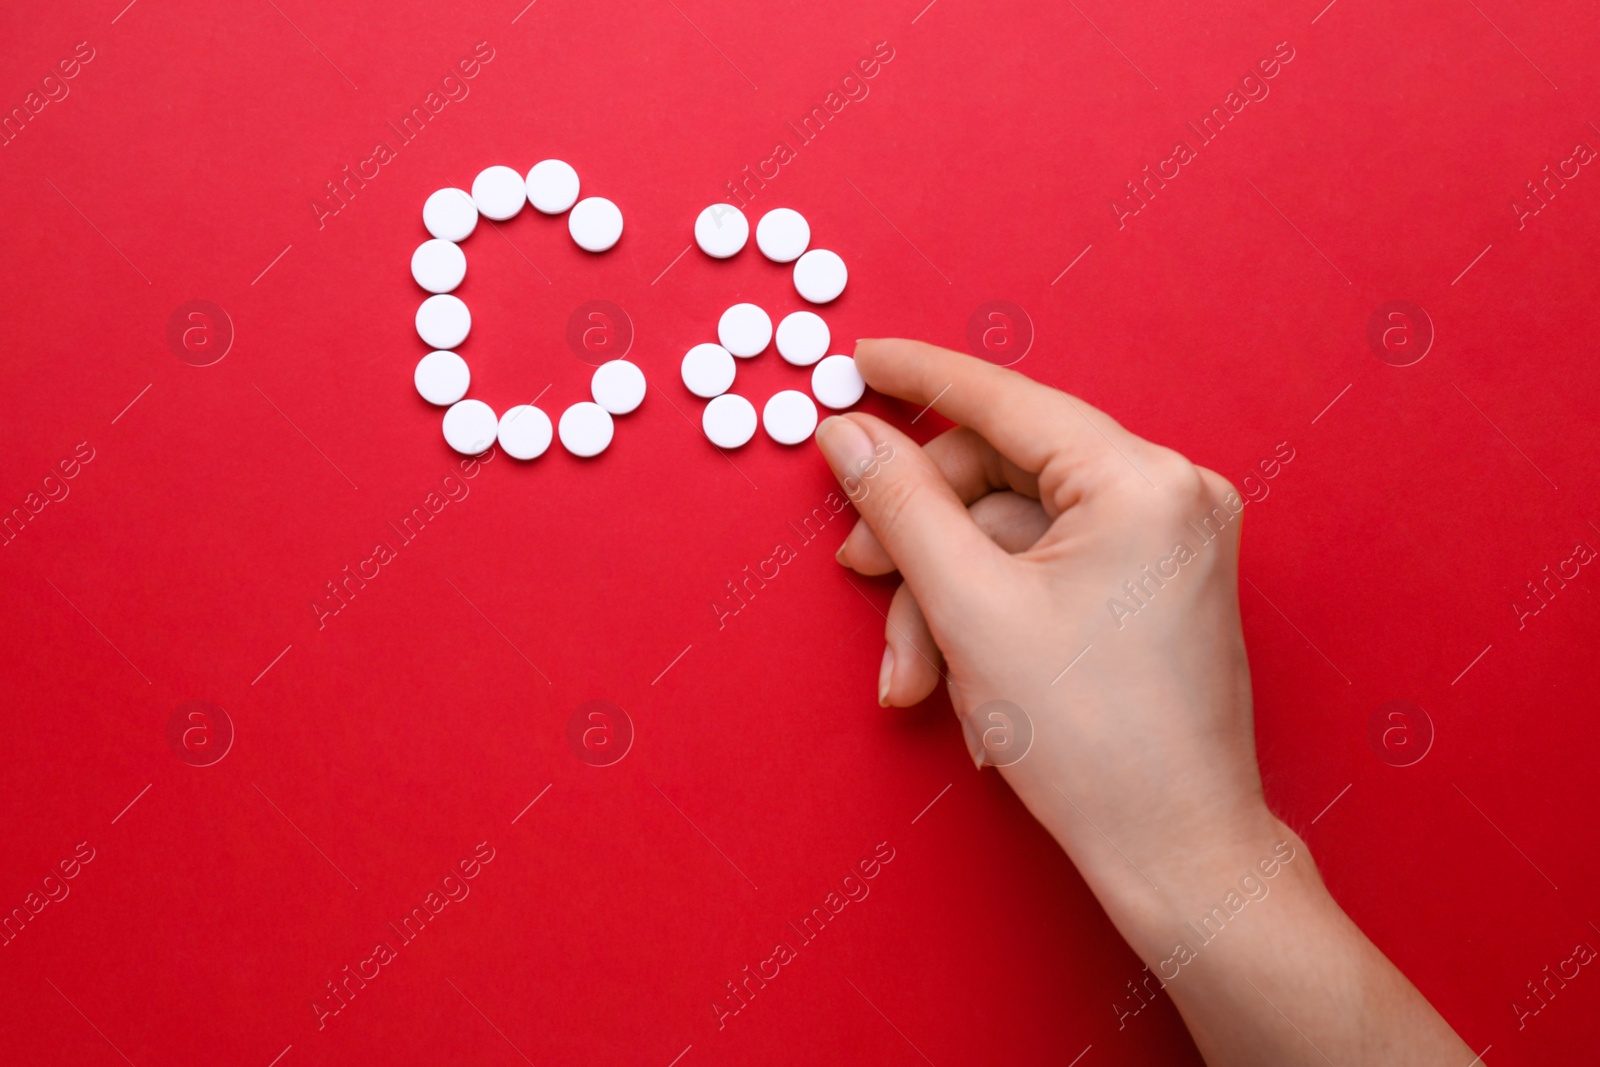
{"x":1056,"y":562}
{"x":1076,"y":588}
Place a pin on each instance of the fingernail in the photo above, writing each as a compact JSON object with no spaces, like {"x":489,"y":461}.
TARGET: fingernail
{"x":885,"y":676}
{"x":974,"y":742}
{"x":844,"y":444}
{"x":838,"y":557}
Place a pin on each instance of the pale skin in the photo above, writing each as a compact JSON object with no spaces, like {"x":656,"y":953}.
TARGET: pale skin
{"x":1011,"y":532}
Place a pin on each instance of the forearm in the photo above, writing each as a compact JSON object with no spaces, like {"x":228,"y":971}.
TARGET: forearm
{"x":1267,"y":969}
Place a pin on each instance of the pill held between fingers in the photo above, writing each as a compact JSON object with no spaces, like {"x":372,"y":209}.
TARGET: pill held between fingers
{"x":450,"y":214}
{"x":499,"y":193}
{"x":789,"y":417}
{"x":783,"y":234}
{"x":442,"y":378}
{"x":438,"y":265}
{"x":837,"y":383}
{"x":586,"y":429}
{"x":443,"y":321}
{"x":820,"y":275}
{"x":708,"y":370}
{"x":618,"y":386}
{"x":744,"y":330}
{"x":524,"y":432}
{"x":552,"y":186}
{"x":729,"y":420}
{"x":470,"y":427}
{"x":595,"y":223}
{"x":721,"y":230}
{"x":803,"y":338}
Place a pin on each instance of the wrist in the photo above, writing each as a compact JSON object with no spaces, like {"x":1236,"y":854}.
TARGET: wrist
{"x":1183,"y":899}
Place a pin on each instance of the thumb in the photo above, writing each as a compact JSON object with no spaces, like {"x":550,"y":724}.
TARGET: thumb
{"x":909,"y":505}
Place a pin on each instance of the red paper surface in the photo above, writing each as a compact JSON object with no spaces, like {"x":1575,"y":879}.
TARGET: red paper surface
{"x":375,"y":750}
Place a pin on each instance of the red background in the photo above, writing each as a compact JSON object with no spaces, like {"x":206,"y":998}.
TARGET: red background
{"x":374,"y":753}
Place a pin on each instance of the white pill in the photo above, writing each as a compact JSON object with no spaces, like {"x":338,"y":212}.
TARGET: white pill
{"x":618,"y":386}
{"x":443,"y":321}
{"x":729,"y":420}
{"x":803,"y":338}
{"x":836,"y":383}
{"x":442,"y":377}
{"x":499,"y":193}
{"x":708,"y":370}
{"x":524,"y":432}
{"x":744,"y":330}
{"x":438,"y":265}
{"x":721,"y":230}
{"x":450,"y":215}
{"x":789,"y":417}
{"x":470,"y":426}
{"x":586,"y":429}
{"x":819,"y":275}
{"x":595,"y":223}
{"x":552,"y":186}
{"x":782,"y":234}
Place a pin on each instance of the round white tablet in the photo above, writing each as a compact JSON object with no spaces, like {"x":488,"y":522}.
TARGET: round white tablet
{"x":618,"y":386}
{"x":469,"y":427}
{"x":524,"y":432}
{"x":450,"y":215}
{"x":552,"y":186}
{"x":595,"y":223}
{"x":443,"y":321}
{"x":782,"y":234}
{"x":438,"y":265}
{"x":586,"y":429}
{"x":708,"y":370}
{"x":744,"y":330}
{"x":819,"y":275}
{"x":789,"y":417}
{"x":442,"y":377}
{"x":721,"y":230}
{"x":803,"y":338}
{"x":499,"y":193}
{"x":836,"y":383}
{"x":729,"y":420}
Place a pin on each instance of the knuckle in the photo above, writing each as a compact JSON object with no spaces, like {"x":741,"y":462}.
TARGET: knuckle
{"x":885,"y":504}
{"x":894,"y":497}
{"x":1183,"y":493}
{"x":1179,"y":485}
{"x":1217,"y":486}
{"x":1175,"y":466}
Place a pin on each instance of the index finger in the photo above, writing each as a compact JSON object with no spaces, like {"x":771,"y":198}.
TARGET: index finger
{"x":1029,"y":423}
